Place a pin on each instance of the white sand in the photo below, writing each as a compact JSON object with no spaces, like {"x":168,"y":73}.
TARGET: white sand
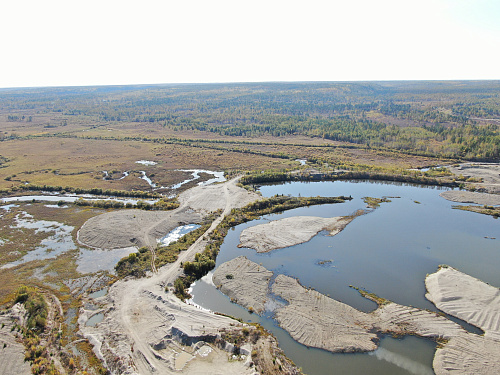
{"x":289,"y":231}
{"x":321,"y":322}
{"x":477,"y":303}
{"x":316,"y":320}
{"x":467,"y":298}
{"x":463,"y":196}
{"x":124,"y":228}
{"x":247,"y":285}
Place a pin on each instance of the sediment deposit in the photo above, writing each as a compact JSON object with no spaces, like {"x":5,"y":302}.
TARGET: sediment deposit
{"x":321,"y":322}
{"x":146,"y":329}
{"x":316,"y":320}
{"x":289,"y":231}
{"x":463,"y":196}
{"x":488,"y":173}
{"x":467,"y":298}
{"x":245,"y":282}
{"x":12,"y":350}
{"x":124,"y":228}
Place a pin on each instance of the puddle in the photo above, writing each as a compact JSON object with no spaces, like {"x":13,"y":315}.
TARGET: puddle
{"x":7,"y":207}
{"x":147,"y":179}
{"x":146,"y":162}
{"x":70,"y":198}
{"x":50,"y":247}
{"x":96,"y":260}
{"x":99,"y":293}
{"x":94,"y":320}
{"x":218,"y":177}
{"x":177,"y":233}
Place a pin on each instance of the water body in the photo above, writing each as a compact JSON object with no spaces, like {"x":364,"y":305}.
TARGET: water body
{"x":147,"y":179}
{"x":195,"y":173}
{"x":94,"y":320}
{"x":69,"y":198}
{"x":146,"y":162}
{"x":59,"y":241}
{"x":177,"y":233}
{"x":388,"y":252}
{"x":94,"y":260}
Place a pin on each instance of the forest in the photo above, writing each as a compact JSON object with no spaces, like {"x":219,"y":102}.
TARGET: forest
{"x":443,"y":119}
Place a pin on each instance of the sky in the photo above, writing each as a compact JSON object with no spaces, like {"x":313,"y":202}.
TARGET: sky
{"x":108,"y":42}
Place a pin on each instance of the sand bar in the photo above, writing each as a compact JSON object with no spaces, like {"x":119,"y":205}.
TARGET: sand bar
{"x":290,"y":231}
{"x":476,"y":302}
{"x":463,"y":196}
{"x":316,"y":320}
{"x":467,"y":298}
{"x":245,"y":282}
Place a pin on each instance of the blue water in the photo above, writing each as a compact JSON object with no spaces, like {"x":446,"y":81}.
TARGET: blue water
{"x":388,"y":251}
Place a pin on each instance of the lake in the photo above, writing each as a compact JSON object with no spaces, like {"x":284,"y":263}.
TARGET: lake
{"x":388,"y":251}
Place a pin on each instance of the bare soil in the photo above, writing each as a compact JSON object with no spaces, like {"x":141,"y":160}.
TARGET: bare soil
{"x":145,"y":326}
{"x":290,"y":231}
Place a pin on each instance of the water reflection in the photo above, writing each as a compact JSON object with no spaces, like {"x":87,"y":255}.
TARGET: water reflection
{"x":388,"y":252}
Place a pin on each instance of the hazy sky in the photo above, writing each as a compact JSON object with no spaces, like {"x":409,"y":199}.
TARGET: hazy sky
{"x":74,"y":42}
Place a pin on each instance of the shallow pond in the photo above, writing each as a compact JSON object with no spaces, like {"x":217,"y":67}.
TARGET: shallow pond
{"x":94,"y":260}
{"x":177,"y":233}
{"x":195,"y":173}
{"x":388,"y":251}
{"x":68,"y":198}
{"x":94,"y":320}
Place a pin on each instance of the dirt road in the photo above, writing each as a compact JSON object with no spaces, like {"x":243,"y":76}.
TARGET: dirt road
{"x":141,"y":318}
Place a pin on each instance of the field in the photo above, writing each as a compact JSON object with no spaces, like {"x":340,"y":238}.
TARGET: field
{"x":73,"y":136}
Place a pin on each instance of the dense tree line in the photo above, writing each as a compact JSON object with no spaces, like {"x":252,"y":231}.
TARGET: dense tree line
{"x":441,"y":119}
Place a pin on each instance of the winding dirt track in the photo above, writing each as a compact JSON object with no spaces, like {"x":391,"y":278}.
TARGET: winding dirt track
{"x":141,"y":314}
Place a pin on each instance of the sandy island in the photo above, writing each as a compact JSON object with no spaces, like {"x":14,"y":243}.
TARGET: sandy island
{"x":290,"y":231}
{"x":318,"y":321}
{"x":463,"y":196}
{"x":477,"y":303}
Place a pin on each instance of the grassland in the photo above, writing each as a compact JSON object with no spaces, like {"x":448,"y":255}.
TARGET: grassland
{"x":69,"y":136}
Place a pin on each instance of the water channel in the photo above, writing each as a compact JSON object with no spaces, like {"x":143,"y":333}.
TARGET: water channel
{"x":388,"y":252}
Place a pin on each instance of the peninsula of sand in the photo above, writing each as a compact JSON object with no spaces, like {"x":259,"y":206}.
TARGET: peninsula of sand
{"x":290,"y":231}
{"x":318,"y":321}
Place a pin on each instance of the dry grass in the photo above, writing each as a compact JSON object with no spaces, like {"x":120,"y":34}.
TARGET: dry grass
{"x":80,"y":162}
